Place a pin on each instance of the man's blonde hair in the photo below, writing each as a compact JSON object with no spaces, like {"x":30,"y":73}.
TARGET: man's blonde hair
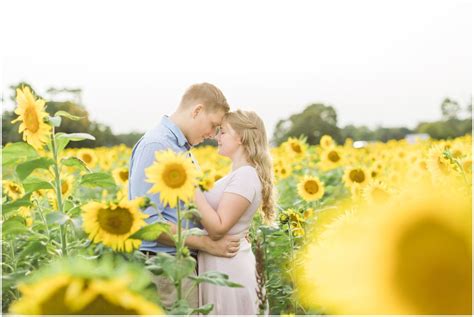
{"x":207,"y":94}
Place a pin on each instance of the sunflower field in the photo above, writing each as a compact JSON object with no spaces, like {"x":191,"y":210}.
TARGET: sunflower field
{"x":381,"y":229}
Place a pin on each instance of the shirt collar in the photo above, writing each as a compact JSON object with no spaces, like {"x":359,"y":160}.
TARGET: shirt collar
{"x":182,"y":141}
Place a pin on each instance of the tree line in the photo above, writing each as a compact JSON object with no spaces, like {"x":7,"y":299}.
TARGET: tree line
{"x":313,"y":122}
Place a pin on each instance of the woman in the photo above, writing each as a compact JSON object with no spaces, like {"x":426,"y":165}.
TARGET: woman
{"x":228,"y":208}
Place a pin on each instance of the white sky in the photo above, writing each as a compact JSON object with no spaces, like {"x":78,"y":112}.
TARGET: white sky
{"x":387,"y":63}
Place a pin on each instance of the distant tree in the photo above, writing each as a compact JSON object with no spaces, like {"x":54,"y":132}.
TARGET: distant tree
{"x":315,"y":121}
{"x":357,"y":133}
{"x":129,"y":139}
{"x":386,"y":134}
{"x":450,"y":109}
{"x":446,"y":129}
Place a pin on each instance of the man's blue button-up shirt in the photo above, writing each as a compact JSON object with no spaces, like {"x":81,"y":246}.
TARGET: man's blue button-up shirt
{"x":166,"y":135}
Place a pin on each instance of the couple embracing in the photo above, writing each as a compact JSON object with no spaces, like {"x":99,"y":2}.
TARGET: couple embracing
{"x":226,"y":210}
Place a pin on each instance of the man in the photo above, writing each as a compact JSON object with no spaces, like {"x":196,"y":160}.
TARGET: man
{"x":197,"y":118}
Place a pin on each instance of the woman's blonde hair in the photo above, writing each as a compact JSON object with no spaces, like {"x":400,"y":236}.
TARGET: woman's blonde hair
{"x":251,"y":129}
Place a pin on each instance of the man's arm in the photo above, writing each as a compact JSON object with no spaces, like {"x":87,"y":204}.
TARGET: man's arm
{"x":228,"y":246}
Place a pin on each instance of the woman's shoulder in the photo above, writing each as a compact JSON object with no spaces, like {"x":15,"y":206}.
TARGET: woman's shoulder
{"x":246,"y":174}
{"x":247,"y":170}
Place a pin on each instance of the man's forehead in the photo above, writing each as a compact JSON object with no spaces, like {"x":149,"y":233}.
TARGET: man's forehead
{"x":217,"y":117}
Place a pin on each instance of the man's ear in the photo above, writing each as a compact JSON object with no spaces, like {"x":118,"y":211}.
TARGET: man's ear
{"x":197,"y":109}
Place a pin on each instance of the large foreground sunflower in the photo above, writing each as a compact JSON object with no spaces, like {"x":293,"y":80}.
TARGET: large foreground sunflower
{"x":413,"y":256}
{"x":31,"y":113}
{"x":84,"y":290}
{"x":174,"y":176}
{"x":112,"y":224}
{"x":310,"y":188}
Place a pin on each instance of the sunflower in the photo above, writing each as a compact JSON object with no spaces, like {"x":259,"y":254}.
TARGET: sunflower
{"x":412,"y":258}
{"x":112,"y":224}
{"x":88,"y":156}
{"x":13,"y":190}
{"x":31,"y":112}
{"x":26,"y":213}
{"x":281,"y":169}
{"x":297,"y":230}
{"x":355,"y":176}
{"x":121,"y":175}
{"x":327,"y":142}
{"x":296,"y":148}
{"x":65,"y":294}
{"x":331,"y":158}
{"x":308,"y":213}
{"x":67,"y":185}
{"x":310,"y":188}
{"x":376,"y":192}
{"x":207,"y":182}
{"x":438,"y":164}
{"x":173,"y":176}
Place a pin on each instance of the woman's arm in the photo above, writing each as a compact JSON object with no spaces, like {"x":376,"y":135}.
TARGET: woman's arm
{"x":219,"y":222}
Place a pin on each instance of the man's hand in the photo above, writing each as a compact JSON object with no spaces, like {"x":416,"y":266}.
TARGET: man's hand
{"x":226,"y":247}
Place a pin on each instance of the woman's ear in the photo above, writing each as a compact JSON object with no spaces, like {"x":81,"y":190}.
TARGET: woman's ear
{"x":196,"y":109}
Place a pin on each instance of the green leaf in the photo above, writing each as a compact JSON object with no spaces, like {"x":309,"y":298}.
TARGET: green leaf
{"x":151,"y":232}
{"x":180,"y":308}
{"x":173,"y":268}
{"x":14,"y":226}
{"x":32,"y":184}
{"x":17,"y":152}
{"x":192,"y":214}
{"x":25,"y":169}
{"x":206,"y":309}
{"x":61,"y":143}
{"x":55,"y":121}
{"x":67,"y":115}
{"x":15,"y":205}
{"x":193,"y":232}
{"x":74,"y":161}
{"x":98,"y":180}
{"x":215,"y":278}
{"x":33,"y":247}
{"x":56,"y":217}
{"x":76,"y":136}
{"x":12,"y":279}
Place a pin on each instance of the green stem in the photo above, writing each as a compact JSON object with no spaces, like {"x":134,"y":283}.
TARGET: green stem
{"x":179,"y":250}
{"x":43,"y":218}
{"x":292,"y":258}
{"x":59,"y":197}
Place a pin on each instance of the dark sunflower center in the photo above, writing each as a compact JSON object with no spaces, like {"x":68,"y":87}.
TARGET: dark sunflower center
{"x":174,"y":175}
{"x":118,"y":221}
{"x":87,"y":158}
{"x":15,"y":188}
{"x":296,"y":147}
{"x":357,"y":175}
{"x":64,"y":187}
{"x":56,"y":305}
{"x":311,"y":187}
{"x":101,"y":306}
{"x":31,"y":119}
{"x":433,"y":269}
{"x":334,"y":156}
{"x":123,"y":175}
